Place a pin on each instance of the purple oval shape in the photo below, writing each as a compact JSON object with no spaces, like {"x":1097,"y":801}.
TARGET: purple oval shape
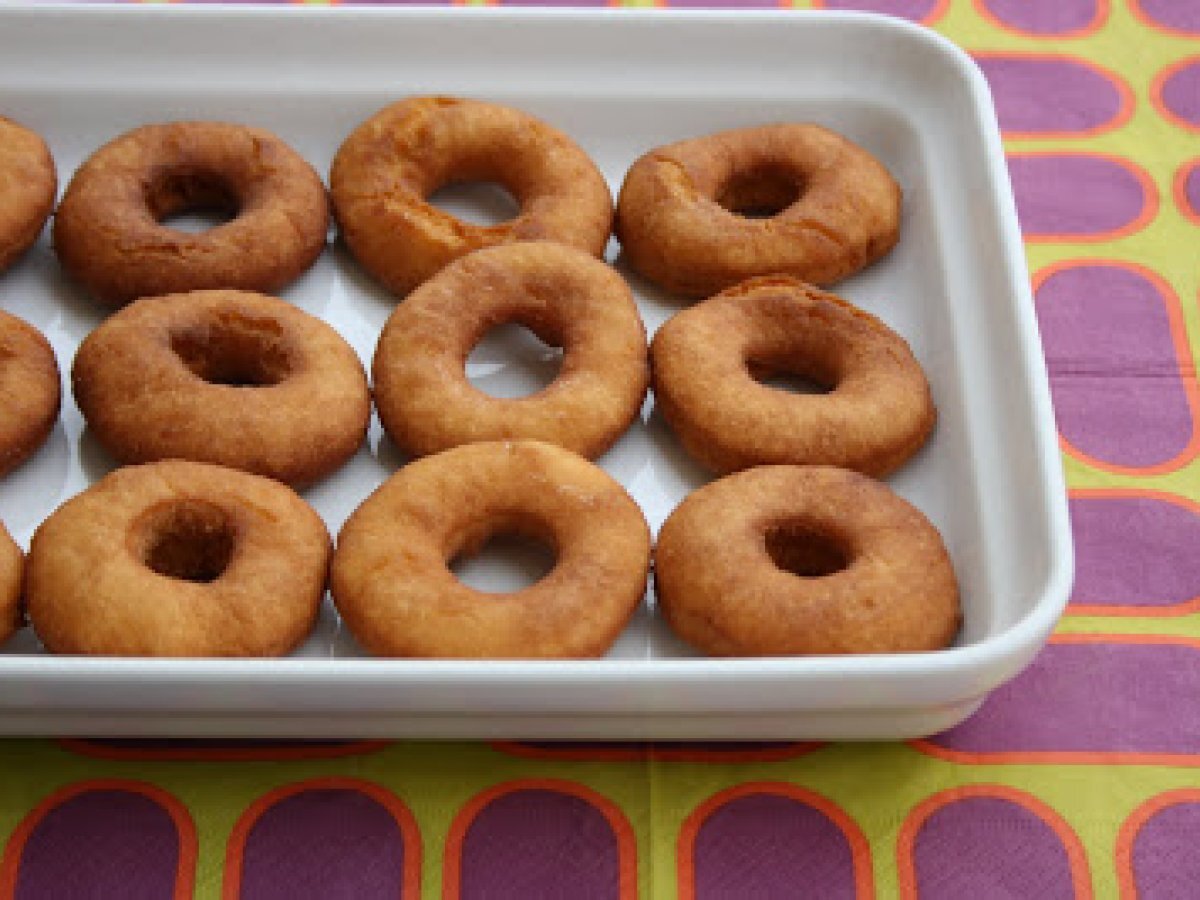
{"x":764,"y":845}
{"x":101,"y":843}
{"x":1089,"y":697}
{"x":914,"y":10}
{"x":1071,"y":196}
{"x":1174,"y":15}
{"x":1036,"y":95}
{"x":1058,"y":17}
{"x":971,"y":846}
{"x":1134,"y":552}
{"x":539,"y":843}
{"x":324,"y":842}
{"x":1190,"y":192}
{"x":1115,"y":377}
{"x":1181,"y":93}
{"x":1164,"y":858}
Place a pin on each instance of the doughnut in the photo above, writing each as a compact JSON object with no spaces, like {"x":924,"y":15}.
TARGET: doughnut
{"x":109,"y":231}
{"x":877,"y":413}
{"x":567,"y":298}
{"x":789,"y":560}
{"x":28,"y":184}
{"x":178,"y":558}
{"x":700,"y":215}
{"x":391,"y":579}
{"x":30,"y":392}
{"x":227,"y":377}
{"x":390,"y":165}
{"x":11,"y":564}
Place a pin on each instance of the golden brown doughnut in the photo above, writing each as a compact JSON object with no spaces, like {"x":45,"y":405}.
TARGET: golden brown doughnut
{"x":876,"y":415}
{"x":388,"y":167}
{"x":108,"y":232}
{"x":28,"y":183}
{"x":12,"y":563}
{"x":30,"y":392}
{"x":178,"y":559}
{"x":567,"y":298}
{"x":784,"y":560}
{"x":391,"y":579}
{"x":227,"y":377}
{"x":682,"y":220}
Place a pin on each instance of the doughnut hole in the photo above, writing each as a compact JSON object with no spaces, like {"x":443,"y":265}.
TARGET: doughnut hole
{"x":237,"y":351}
{"x":760,"y":192}
{"x":512,"y":360}
{"x":191,"y":199}
{"x":807,"y":552}
{"x":189,"y":540}
{"x":504,"y":556}
{"x":795,"y":373}
{"x":483,"y":203}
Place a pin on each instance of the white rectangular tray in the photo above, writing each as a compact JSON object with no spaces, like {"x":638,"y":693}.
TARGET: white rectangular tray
{"x":620,"y":83}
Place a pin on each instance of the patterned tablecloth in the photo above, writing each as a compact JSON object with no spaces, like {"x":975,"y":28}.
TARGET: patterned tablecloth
{"x":1078,"y":779}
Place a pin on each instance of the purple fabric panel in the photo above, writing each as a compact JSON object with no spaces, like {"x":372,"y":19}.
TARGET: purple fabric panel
{"x":1118,"y":391}
{"x":103,"y":843}
{"x":765,"y":846}
{"x":1071,"y":195}
{"x":540,"y":843}
{"x":326,"y":844}
{"x":1191,"y":189}
{"x":1181,"y":93}
{"x":1041,"y":17}
{"x":1049,"y":95}
{"x":1104,"y":698}
{"x":1180,"y":15}
{"x":987,"y":847}
{"x":916,"y":10}
{"x":1134,"y":551}
{"x":1165,"y":861}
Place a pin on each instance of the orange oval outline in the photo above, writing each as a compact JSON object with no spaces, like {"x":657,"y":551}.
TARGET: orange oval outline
{"x":465,"y":817}
{"x":410,"y":834}
{"x":185,"y":829}
{"x":906,"y":869}
{"x":1162,"y":611}
{"x":1132,"y":826}
{"x":1099,"y":20}
{"x":1156,"y":89}
{"x":860,"y":848}
{"x":1135,"y":7}
{"x":1150,"y":202}
{"x":930,"y":18}
{"x":657,"y":752}
{"x":1124,"y":93}
{"x":88,"y":748}
{"x":1179,"y":189}
{"x":1074,"y":757}
{"x":1183,"y":358}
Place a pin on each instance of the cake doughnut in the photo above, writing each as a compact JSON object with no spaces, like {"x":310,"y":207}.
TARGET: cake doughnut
{"x":385,"y":171}
{"x":28,"y":183}
{"x":227,"y":377}
{"x":686,"y":212}
{"x":877,"y":413}
{"x":178,"y":558}
{"x":109,"y":232}
{"x":11,"y":564}
{"x":391,"y":579}
{"x":567,"y":298}
{"x":789,"y":560}
{"x":30,"y":393}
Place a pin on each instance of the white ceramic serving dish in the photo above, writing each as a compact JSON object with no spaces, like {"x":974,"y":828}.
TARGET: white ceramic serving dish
{"x":620,"y":83}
